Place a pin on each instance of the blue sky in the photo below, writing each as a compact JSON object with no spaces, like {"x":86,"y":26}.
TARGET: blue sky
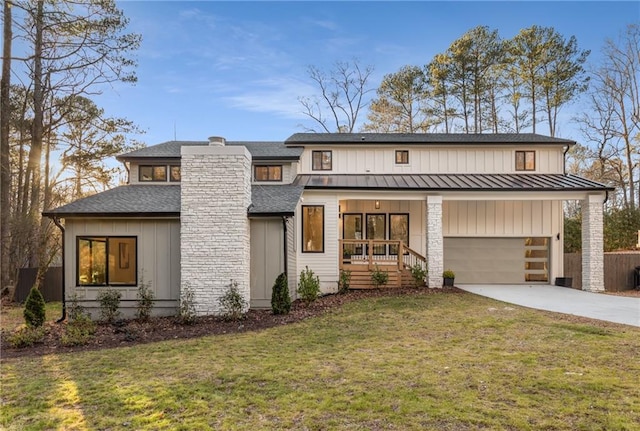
{"x":236,"y":69}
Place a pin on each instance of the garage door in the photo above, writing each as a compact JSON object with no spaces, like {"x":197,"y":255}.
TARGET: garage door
{"x":497,"y":260}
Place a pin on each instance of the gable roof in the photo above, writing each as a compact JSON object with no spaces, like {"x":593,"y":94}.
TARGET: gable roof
{"x":451,"y":182}
{"x":260,"y":150}
{"x":138,"y":200}
{"x":424,"y":138}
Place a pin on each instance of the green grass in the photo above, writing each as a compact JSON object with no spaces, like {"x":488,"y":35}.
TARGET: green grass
{"x":11,"y":316}
{"x":444,"y":361}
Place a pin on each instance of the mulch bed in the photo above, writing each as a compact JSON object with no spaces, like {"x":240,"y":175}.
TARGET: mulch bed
{"x":132,"y":332}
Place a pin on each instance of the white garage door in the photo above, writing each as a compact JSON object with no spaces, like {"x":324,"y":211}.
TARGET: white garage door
{"x":497,"y":260}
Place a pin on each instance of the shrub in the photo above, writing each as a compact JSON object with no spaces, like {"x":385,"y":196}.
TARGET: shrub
{"x":109,"y":303}
{"x":34,"y":308}
{"x":345,"y":281}
{"x":308,"y":286}
{"x":379,"y":278}
{"x":418,"y":273}
{"x":448,"y":274}
{"x":145,"y":300}
{"x":280,"y":298}
{"x":187,"y":312}
{"x":233,"y":303}
{"x":26,"y":336}
{"x":80,"y":328}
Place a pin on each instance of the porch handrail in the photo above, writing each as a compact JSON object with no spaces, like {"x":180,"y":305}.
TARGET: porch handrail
{"x":404,"y":257}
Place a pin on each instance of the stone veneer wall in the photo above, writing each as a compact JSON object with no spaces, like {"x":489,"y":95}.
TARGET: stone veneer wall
{"x":435,"y":241}
{"x":592,"y":243}
{"x":214,"y":235}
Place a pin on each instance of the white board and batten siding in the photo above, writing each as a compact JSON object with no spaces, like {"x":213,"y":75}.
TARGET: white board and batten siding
{"x":434,"y":160}
{"x":325,"y":264}
{"x":158,"y":260}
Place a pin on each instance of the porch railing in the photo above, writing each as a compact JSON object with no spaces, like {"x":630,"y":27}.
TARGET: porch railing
{"x":372,"y":252}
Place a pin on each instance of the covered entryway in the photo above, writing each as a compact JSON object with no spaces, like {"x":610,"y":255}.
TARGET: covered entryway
{"x":498,"y":260}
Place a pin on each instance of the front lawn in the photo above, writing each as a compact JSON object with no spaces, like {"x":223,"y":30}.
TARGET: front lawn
{"x":439,"y":361}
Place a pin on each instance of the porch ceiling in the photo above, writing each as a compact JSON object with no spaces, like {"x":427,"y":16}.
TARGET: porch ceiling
{"x":451,"y":182}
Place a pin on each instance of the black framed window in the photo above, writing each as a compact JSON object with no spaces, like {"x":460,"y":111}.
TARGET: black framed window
{"x":402,"y":157}
{"x":321,"y":160}
{"x":107,"y":261}
{"x":352,"y":229}
{"x":313,"y":228}
{"x":525,"y":160}
{"x":148,"y":173}
{"x":398,"y":230}
{"x":174,"y":173}
{"x":267,"y":173}
{"x":376,"y":229}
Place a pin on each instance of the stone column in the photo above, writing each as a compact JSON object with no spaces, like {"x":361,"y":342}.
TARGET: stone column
{"x":592,"y":243}
{"x":214,"y":227}
{"x":435,"y":247}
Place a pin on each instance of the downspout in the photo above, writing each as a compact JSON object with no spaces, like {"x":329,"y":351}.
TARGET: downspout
{"x":564,"y":160}
{"x":286,"y":253}
{"x":56,"y":221}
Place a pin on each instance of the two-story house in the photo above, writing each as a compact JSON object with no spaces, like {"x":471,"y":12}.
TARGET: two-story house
{"x":196,"y":215}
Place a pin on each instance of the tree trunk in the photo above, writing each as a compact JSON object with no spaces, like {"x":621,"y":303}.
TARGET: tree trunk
{"x":5,"y":167}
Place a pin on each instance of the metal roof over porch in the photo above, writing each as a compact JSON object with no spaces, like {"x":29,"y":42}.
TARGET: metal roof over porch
{"x":451,"y":182}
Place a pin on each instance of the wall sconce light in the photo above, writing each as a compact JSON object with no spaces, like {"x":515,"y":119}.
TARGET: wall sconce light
{"x":377,"y":205}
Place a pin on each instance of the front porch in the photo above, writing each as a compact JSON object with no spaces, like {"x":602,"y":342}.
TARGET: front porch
{"x":363,"y":257}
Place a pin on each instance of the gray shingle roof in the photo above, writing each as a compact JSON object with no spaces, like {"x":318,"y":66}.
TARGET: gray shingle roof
{"x":424,"y":138}
{"x":452,"y":182}
{"x":274,"y":200}
{"x":164,"y":201}
{"x":260,"y":150}
{"x":125,"y":201}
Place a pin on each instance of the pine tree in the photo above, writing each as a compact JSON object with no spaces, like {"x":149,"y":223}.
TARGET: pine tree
{"x":280,"y":299}
{"x":34,"y":308}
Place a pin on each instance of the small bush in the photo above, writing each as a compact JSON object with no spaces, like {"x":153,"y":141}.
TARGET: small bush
{"x":345,"y":281}
{"x":34,"y":308}
{"x":233,"y":303}
{"x":26,"y":336}
{"x":418,"y":273}
{"x":379,"y":278}
{"x":145,"y":300}
{"x":187,"y":312}
{"x":80,"y":328}
{"x":109,"y":304}
{"x":448,"y":274}
{"x":308,"y":286}
{"x":280,"y":298}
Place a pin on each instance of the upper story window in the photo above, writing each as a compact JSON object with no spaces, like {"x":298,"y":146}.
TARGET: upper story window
{"x":321,"y":160}
{"x":525,"y":160}
{"x":267,"y":173}
{"x":402,"y":157}
{"x":153,"y":173}
{"x":174,"y":172}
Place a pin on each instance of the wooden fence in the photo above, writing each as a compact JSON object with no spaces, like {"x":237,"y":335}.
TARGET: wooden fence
{"x":619,"y":268}
{"x":51,"y":287}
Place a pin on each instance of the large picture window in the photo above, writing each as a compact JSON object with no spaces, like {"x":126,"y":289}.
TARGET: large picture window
{"x":525,"y":160}
{"x":107,"y":261}
{"x":267,"y":173}
{"x":152,"y":173}
{"x":321,"y":160}
{"x":312,"y":229}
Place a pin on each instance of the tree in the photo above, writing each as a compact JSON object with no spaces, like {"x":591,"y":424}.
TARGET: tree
{"x":5,"y":167}
{"x":612,"y":124}
{"x":342,"y":96}
{"x":70,"y":48}
{"x":439,"y":106}
{"x":398,"y":105}
{"x":550,"y":69}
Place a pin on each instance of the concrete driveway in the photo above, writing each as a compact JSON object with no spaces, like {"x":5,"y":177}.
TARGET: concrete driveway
{"x":617,"y":309}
